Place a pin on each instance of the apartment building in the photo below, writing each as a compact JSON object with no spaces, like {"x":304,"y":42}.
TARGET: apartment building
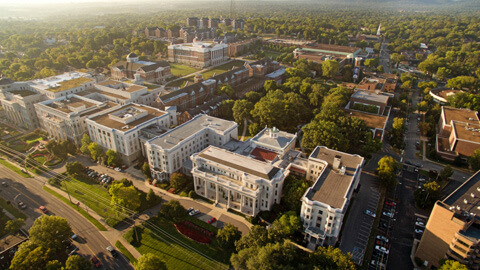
{"x":458,"y":133}
{"x":236,"y":181}
{"x":241,"y":47}
{"x":64,"y":117}
{"x":169,"y":152}
{"x":336,"y":175}
{"x":119,"y":128}
{"x":198,"y":54}
{"x":361,"y":99}
{"x":453,"y":228}
{"x":153,"y":72}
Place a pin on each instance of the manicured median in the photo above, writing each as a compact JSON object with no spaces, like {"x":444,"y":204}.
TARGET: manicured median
{"x":74,"y":206}
{"x":14,"y":168}
{"x":125,"y":252}
{"x":12,"y":209}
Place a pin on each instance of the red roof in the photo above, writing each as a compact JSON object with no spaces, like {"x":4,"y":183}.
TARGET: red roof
{"x":293,"y":168}
{"x":263,"y":154}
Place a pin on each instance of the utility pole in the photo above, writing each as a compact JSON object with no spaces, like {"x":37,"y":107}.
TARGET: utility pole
{"x":67,"y":191}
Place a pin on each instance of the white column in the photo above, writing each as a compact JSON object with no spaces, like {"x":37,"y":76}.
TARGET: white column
{"x":228,"y":198}
{"x":205,"y":183}
{"x":216,"y":193}
{"x":254,"y":206}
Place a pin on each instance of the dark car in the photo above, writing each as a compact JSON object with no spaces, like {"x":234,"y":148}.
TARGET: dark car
{"x":96,"y":262}
{"x":112,"y":251}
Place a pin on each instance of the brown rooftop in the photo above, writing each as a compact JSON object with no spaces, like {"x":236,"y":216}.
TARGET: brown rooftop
{"x":74,"y":102}
{"x":371,"y":120}
{"x":460,"y":115}
{"x":328,"y":47}
{"x":105,"y":119}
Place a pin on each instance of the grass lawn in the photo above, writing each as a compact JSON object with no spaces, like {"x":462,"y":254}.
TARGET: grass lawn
{"x":181,"y":70}
{"x":34,"y":140}
{"x":97,"y":197}
{"x":272,"y":54}
{"x":13,"y":168}
{"x":12,"y":209}
{"x":125,"y":252}
{"x":223,"y":68}
{"x":74,"y":206}
{"x":180,"y":83}
{"x":176,"y":256}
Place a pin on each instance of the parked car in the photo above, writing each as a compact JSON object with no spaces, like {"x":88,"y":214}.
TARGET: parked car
{"x":194,"y":212}
{"x":74,"y":237}
{"x":381,"y":243}
{"x":96,"y":262}
{"x":21,"y":205}
{"x":189,"y":209}
{"x":370,"y":213}
{"x":43,"y":209}
{"x":378,"y":263}
{"x":112,"y":251}
{"x":383,"y":238}
{"x":418,"y":231}
{"x":388,"y":214}
{"x":421,"y":179}
{"x":212,"y":220}
{"x":5,"y":184}
{"x":391,"y":204}
{"x":382,"y":249}
{"x":118,"y":169}
{"x":420,"y":224}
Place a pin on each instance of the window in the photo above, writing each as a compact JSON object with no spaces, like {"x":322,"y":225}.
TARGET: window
{"x":320,"y":212}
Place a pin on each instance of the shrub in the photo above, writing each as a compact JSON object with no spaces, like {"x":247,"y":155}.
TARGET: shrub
{"x":192,"y":194}
{"x":183,"y":194}
{"x":54,"y":181}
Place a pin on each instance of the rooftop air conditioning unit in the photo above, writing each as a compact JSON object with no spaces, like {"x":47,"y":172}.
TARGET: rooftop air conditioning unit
{"x":465,"y":201}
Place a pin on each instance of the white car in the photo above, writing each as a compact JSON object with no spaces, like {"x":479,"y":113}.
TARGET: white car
{"x":420,"y":224}
{"x":370,"y":213}
{"x":383,"y":238}
{"x":382,"y":249}
{"x":118,"y":169}
{"x":194,"y":212}
{"x":388,"y":214}
{"x":378,"y":263}
{"x":418,"y":231}
{"x":22,"y":205}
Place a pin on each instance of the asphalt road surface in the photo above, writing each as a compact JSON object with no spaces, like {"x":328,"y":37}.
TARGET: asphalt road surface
{"x":30,"y":192}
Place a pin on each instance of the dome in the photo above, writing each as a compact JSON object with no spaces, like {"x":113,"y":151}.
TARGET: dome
{"x":132,"y":55}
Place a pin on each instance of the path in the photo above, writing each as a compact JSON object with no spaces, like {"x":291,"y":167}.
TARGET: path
{"x":245,"y":124}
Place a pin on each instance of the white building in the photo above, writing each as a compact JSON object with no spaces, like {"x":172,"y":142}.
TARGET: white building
{"x":118,"y":128}
{"x":63,"y":84}
{"x":18,"y":106}
{"x":239,"y":182}
{"x":324,"y":204}
{"x":122,"y":93}
{"x":64,"y":118}
{"x":168,"y":152}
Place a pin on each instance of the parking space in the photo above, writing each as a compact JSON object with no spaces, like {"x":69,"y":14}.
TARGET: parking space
{"x":365,"y":227}
{"x":419,"y":227}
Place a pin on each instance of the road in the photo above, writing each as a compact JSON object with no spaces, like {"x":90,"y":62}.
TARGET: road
{"x":91,"y":242}
{"x":385,"y":57}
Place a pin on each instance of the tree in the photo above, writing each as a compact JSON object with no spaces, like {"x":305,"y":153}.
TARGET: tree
{"x":270,"y":256}
{"x":178,"y":180}
{"x":151,"y":196}
{"x":76,"y":262}
{"x":96,"y":150}
{"x":331,"y":258}
{"x":74,"y":168}
{"x":452,"y":265}
{"x":270,"y":85}
{"x":292,"y":192}
{"x":13,"y":226}
{"x":113,"y":158}
{"x":386,"y":171}
{"x":228,"y":235}
{"x":398,"y":124}
{"x":424,"y":128}
{"x":427,"y":196}
{"x":85,"y":143}
{"x":226,"y":109}
{"x":474,"y":160}
{"x":330,"y":68}
{"x":462,"y":82}
{"x":51,"y":232}
{"x":226,"y":89}
{"x":126,"y":196}
{"x":146,"y":170}
{"x":422,"y":106}
{"x":396,"y":58}
{"x":173,"y":209}
{"x":446,"y":172}
{"x":30,"y":258}
{"x":285,"y":226}
{"x":257,"y":236}
{"x":241,"y":110}
{"x":150,"y":261}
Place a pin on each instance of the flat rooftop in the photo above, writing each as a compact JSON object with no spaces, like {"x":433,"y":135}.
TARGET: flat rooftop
{"x":467,"y":132}
{"x":105,"y":120}
{"x":242,"y":163}
{"x":282,"y":140}
{"x":366,"y":95}
{"x":331,"y":48}
{"x":23,"y":93}
{"x":460,"y":115}
{"x":62,"y":82}
{"x":371,"y":120}
{"x":70,"y":104}
{"x":445,"y":92}
{"x":173,"y":137}
{"x":331,"y":187}
{"x":464,"y":192}
{"x":121,"y":86}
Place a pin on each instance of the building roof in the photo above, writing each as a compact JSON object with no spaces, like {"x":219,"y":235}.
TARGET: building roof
{"x":174,"y":136}
{"x":124,"y":112}
{"x":239,"y":162}
{"x":462,"y":196}
{"x":460,"y":115}
{"x":266,"y":137}
{"x":366,"y":95}
{"x":263,"y":154}
{"x":5,"y":81}
{"x":371,"y":120}
{"x":338,"y":49}
{"x":444,"y":92}
{"x":23,"y":93}
{"x":132,"y":54}
{"x":69,"y":104}
{"x":331,"y":187}
{"x":134,"y":66}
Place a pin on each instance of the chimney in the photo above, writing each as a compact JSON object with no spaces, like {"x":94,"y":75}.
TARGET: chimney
{"x":337,"y":161}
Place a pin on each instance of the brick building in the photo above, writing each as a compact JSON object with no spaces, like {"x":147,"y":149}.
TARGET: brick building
{"x":154,"y":72}
{"x":198,"y":54}
{"x":240,"y":47}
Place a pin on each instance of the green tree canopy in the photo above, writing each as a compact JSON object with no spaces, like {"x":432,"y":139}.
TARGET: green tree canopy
{"x":241,"y":110}
{"x":113,"y":158}
{"x":150,"y":261}
{"x":85,"y":143}
{"x":96,"y":150}
{"x":126,"y":196}
{"x":452,"y":265}
{"x":173,"y":209}
{"x":74,"y":168}
{"x":228,"y":235}
{"x":51,"y":233}
{"x":13,"y":226}
{"x":76,"y":262}
{"x":330,"y":68}
{"x":146,"y":170}
{"x":178,"y":180}
{"x":386,"y":171}
{"x":474,"y":160}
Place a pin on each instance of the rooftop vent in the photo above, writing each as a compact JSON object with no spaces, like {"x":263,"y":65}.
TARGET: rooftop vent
{"x":458,"y":208}
{"x":342,"y":170}
{"x":337,"y":161}
{"x":465,"y":201}
{"x":125,"y":127}
{"x":472,"y":195}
